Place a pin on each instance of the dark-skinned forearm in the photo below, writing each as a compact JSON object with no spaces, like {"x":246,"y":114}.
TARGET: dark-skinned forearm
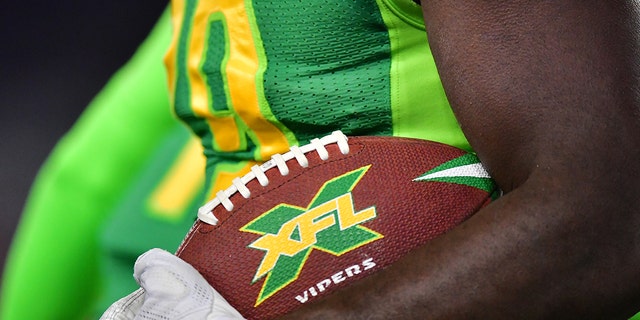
{"x":547,"y":93}
{"x":518,"y":259}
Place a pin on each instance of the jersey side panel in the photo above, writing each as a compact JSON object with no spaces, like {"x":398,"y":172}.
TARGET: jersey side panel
{"x":420,"y":106}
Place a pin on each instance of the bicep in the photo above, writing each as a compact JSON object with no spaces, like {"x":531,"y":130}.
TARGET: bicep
{"x":537,"y":83}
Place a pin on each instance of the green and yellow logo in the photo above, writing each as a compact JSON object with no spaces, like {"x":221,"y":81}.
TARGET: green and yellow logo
{"x":289,"y":233}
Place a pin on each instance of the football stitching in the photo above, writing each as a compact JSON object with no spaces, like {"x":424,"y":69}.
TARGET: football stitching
{"x":289,"y":178}
{"x":258,"y":172}
{"x":279,"y":182}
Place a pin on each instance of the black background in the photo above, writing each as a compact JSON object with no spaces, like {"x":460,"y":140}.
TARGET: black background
{"x":54,"y":58}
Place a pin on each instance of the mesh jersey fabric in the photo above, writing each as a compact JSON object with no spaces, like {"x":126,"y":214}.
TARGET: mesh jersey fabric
{"x":252,"y":78}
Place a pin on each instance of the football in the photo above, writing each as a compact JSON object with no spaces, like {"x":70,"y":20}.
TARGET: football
{"x":326,"y":214}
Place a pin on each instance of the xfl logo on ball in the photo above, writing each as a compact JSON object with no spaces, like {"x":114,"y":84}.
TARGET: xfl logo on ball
{"x":289,"y":233}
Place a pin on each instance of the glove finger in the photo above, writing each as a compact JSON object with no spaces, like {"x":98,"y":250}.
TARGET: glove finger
{"x":126,"y":308}
{"x":173,"y":289}
{"x":163,"y":275}
{"x":222,"y":310}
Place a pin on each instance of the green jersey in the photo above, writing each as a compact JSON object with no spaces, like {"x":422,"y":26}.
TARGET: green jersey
{"x":252,"y":78}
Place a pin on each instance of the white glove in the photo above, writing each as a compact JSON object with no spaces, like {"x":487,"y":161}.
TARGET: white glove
{"x":170,"y":289}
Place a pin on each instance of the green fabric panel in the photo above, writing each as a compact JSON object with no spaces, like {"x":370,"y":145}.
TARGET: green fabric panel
{"x":213,"y":61}
{"x":182,"y":94}
{"x":425,"y":112}
{"x":327,"y":66}
{"x":265,"y":109}
{"x":213,"y":66}
{"x":52,"y":268}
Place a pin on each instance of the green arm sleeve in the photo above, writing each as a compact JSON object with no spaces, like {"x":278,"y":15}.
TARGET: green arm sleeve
{"x":52,"y":267}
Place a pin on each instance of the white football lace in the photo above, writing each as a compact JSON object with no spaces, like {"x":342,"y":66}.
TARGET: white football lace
{"x":205,"y":213}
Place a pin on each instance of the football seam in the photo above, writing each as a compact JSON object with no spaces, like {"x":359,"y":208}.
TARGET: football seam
{"x":258,"y":172}
{"x":292,"y":177}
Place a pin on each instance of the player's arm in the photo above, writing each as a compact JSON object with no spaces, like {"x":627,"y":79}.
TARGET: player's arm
{"x":52,"y":269}
{"x":548,"y":94}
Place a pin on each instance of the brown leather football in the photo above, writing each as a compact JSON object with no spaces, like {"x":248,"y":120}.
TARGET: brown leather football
{"x":327,"y":214}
